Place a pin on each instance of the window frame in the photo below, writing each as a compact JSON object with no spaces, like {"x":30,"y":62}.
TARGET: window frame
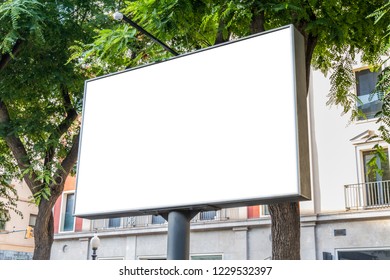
{"x":152,"y":258}
{"x":157,"y":220}
{"x":32,"y":222}
{"x":205,"y":257}
{"x":365,"y":174}
{"x":2,"y":225}
{"x":111,"y":258}
{"x":63,"y":212}
{"x":116,"y":219}
{"x":362,"y":148}
{"x":363,"y":249}
{"x":356,"y":89}
{"x":265,"y":210}
{"x":203,"y":215}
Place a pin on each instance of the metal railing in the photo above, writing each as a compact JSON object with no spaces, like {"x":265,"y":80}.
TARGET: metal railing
{"x":367,"y":195}
{"x":149,"y":220}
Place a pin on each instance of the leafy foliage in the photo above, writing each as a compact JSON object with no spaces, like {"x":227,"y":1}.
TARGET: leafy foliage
{"x":383,"y":87}
{"x":41,"y":91}
{"x":380,"y":13}
{"x":379,"y":155}
{"x":41,"y":96}
{"x":8,"y":199}
{"x":342,"y":85}
{"x":59,"y":44}
{"x":20,"y":19}
{"x":108,"y":44}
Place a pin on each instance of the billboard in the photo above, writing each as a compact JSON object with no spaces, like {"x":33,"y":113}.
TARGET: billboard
{"x":222,"y":127}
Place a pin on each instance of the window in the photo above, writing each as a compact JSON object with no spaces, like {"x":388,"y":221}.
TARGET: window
{"x":158,"y":220}
{"x":207,"y":215}
{"x":265,"y":210}
{"x":114,"y":222}
{"x":2,"y":225}
{"x":4,"y":217}
{"x":368,"y":254}
{"x":67,"y":210}
{"x":206,"y":257}
{"x":365,"y":87}
{"x":377,"y":185}
{"x":112,"y":258}
{"x":152,"y":258}
{"x":372,"y":176}
{"x":32,"y":220}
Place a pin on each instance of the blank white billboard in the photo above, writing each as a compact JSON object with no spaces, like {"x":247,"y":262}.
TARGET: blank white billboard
{"x":221,"y":127}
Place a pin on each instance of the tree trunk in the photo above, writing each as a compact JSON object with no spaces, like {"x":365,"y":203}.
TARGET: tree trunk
{"x":285,"y":230}
{"x":44,"y":229}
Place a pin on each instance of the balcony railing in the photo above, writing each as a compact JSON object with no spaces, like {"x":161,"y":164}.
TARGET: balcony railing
{"x":148,"y":220}
{"x":367,"y":195}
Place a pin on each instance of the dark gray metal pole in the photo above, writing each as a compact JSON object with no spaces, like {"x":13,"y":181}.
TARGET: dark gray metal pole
{"x":120,"y":16}
{"x":139,"y":28}
{"x":179,"y":234}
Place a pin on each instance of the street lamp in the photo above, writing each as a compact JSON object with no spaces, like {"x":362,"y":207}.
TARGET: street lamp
{"x":120,"y":16}
{"x":95,"y":243}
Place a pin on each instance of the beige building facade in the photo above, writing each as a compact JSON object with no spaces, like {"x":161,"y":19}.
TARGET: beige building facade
{"x":15,"y":243}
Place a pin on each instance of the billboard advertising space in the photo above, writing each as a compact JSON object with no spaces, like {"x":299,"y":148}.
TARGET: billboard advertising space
{"x":221,"y":127}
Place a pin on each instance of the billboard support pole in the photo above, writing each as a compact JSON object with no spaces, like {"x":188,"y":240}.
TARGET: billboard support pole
{"x":179,"y":234}
{"x":178,"y":221}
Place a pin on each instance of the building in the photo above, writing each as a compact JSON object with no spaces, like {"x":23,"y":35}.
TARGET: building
{"x":16,"y":235}
{"x":347,"y":218}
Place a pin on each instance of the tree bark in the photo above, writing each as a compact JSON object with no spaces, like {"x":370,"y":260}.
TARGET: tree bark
{"x":44,"y":227}
{"x":44,"y":230}
{"x":257,"y":23}
{"x":220,"y":38}
{"x":18,"y":150}
{"x":285,"y":230}
{"x":5,"y":59}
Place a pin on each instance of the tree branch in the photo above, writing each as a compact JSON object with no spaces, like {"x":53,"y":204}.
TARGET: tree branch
{"x":257,"y":23}
{"x":6,"y":58}
{"x":18,"y":150}
{"x":220,"y":39}
{"x":70,"y":160}
{"x":311,"y":43}
{"x":66,"y":165}
{"x":63,"y":127}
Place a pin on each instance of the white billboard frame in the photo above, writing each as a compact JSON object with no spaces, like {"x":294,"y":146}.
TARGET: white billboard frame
{"x":202,"y":148}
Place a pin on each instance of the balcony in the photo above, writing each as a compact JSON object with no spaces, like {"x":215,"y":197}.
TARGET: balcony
{"x":369,"y":195}
{"x":232,"y":214}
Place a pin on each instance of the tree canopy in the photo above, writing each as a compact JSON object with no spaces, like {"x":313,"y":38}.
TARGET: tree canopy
{"x":41,"y":96}
{"x":48,"y":48}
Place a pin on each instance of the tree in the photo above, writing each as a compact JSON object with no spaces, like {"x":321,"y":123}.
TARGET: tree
{"x":40,"y":97}
{"x":334,"y":31}
{"x":41,"y":81}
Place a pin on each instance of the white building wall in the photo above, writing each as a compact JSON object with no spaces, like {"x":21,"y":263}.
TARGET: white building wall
{"x":336,"y":157}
